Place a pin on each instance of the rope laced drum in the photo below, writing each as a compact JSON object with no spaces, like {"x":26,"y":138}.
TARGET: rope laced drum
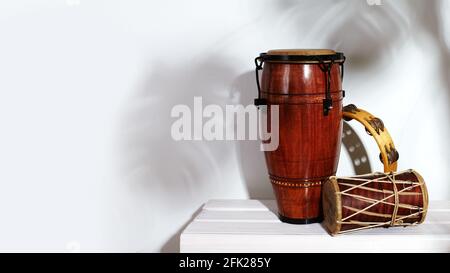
{"x":374,"y":200}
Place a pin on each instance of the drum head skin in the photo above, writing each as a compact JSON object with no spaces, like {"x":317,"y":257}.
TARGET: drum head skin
{"x":301,"y":52}
{"x":424,"y":194}
{"x":331,"y":206}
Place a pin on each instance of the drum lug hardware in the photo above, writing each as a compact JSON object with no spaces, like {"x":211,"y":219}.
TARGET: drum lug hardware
{"x":259,"y":66}
{"x":327,"y":105}
{"x":342,"y":69}
{"x":259,"y":102}
{"x":326,"y":69}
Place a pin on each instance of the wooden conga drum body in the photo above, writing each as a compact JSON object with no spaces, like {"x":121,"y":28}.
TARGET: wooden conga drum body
{"x":374,"y":200}
{"x":306,"y":85}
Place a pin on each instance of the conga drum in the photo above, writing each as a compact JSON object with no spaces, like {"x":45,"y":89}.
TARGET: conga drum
{"x":374,"y":200}
{"x":306,"y":86}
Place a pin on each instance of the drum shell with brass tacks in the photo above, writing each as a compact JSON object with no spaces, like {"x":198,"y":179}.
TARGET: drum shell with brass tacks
{"x":374,"y":200}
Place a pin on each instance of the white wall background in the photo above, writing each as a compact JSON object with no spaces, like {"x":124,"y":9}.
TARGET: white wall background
{"x":86,"y":89}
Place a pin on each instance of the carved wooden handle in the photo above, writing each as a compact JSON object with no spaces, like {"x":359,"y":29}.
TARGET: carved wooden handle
{"x":375,"y":127}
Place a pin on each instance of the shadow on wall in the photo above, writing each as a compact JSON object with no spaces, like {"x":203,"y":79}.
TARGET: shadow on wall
{"x":367,"y":34}
{"x":431,"y":21}
{"x":251,"y":159}
{"x":173,"y":244}
{"x":165,"y":179}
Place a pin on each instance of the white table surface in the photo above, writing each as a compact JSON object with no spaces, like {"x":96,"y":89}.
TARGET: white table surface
{"x":253,"y":226}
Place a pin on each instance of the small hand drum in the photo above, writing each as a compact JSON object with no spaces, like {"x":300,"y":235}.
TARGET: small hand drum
{"x":374,"y":200}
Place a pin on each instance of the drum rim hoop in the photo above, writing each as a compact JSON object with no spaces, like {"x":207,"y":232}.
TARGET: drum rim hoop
{"x":424,"y":190}
{"x":333,"y":181}
{"x":338,"y":57}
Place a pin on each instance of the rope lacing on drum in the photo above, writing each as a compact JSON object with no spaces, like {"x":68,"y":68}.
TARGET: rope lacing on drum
{"x":395,"y":220}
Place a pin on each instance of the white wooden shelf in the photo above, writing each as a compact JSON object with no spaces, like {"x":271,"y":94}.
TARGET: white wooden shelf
{"x":253,"y":226}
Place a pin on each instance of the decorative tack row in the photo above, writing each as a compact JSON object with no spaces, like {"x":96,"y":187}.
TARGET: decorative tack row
{"x":296,"y":184}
